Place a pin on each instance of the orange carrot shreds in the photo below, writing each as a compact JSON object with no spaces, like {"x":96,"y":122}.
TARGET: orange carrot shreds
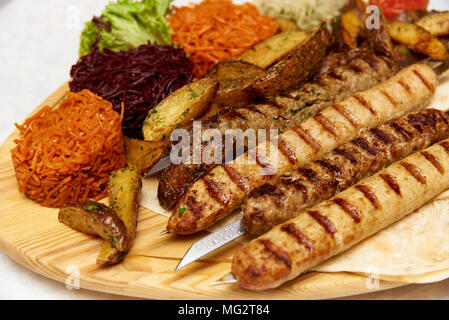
{"x":217,"y":30}
{"x":65,"y":155}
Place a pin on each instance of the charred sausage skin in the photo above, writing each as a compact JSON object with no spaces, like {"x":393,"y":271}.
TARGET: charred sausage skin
{"x":339,"y":223}
{"x":224,"y":188}
{"x":362,"y":72}
{"x":374,"y":149}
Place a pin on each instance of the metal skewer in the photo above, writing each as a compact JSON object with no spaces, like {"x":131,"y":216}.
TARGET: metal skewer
{"x":212,"y":242}
{"x":227,"y":279}
{"x":163,"y":233}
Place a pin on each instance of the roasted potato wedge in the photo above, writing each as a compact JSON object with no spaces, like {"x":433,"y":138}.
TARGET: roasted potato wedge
{"x":378,"y":38}
{"x":125,"y":187}
{"x":418,"y":39}
{"x":437,"y":23}
{"x":227,"y":70}
{"x":143,"y":154}
{"x":296,"y":68}
{"x":96,"y":218}
{"x":109,"y":256}
{"x":179,"y":108}
{"x":234,"y":78}
{"x":351,"y":28}
{"x":271,"y":50}
{"x":283,"y":25}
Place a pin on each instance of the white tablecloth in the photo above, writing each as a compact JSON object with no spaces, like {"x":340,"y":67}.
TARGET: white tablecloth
{"x":38,"y":44}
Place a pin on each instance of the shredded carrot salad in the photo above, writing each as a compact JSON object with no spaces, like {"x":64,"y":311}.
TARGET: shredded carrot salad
{"x":65,"y":155}
{"x":216,"y":30}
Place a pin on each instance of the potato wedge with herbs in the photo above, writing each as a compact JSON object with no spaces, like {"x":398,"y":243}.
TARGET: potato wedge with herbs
{"x":271,"y":50}
{"x":283,"y":24}
{"x":418,"y":39}
{"x":296,"y":68}
{"x":179,"y":108}
{"x":143,"y":154}
{"x":234,"y":78}
{"x":437,"y":23}
{"x":351,"y":28}
{"x":92,"y":217}
{"x":124,"y":192}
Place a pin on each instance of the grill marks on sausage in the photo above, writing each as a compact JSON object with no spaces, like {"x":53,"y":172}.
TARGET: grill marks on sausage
{"x":363,"y":144}
{"x":424,"y":81}
{"x":346,"y":154}
{"x":334,"y":170}
{"x":215,"y":190}
{"x":433,"y":160}
{"x":300,"y":237}
{"x":369,"y":194}
{"x":286,"y":151}
{"x":333,"y":75}
{"x":195,"y":207}
{"x":235,"y":114}
{"x":401,"y":130}
{"x":355,"y":68}
{"x":413,"y":170}
{"x":253,"y":108}
{"x":348,"y":208}
{"x":420,"y":121}
{"x":260,"y":159}
{"x":277,"y":252}
{"x":267,"y":189}
{"x":310,"y":175}
{"x":379,"y":134}
{"x":297,"y":184}
{"x":365,"y":103}
{"x":326,"y":124}
{"x":404,"y":85}
{"x":373,"y":62}
{"x":392,"y":183}
{"x":389,"y":97}
{"x":323,"y":221}
{"x":348,"y":115}
{"x":307,"y":137}
{"x":237,"y":178}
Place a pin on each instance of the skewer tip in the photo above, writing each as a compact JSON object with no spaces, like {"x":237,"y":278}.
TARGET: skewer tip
{"x":163,"y":233}
{"x":227,"y":279}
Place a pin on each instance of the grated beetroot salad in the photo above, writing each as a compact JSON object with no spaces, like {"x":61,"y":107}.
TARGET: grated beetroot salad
{"x":140,"y":78}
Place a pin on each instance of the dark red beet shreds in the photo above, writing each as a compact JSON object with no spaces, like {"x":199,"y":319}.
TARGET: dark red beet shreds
{"x":140,"y":78}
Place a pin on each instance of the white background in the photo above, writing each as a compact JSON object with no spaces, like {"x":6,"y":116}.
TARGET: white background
{"x":38,"y":45}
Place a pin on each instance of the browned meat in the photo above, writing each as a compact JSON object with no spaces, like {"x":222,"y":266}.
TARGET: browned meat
{"x":274,"y":203}
{"x":225,"y":187}
{"x":337,"y":224}
{"x":363,"y":71}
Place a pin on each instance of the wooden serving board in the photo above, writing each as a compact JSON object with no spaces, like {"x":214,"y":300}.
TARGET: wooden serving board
{"x":31,"y":235}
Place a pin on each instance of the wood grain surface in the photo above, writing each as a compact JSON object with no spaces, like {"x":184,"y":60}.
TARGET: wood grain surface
{"x":31,"y":235}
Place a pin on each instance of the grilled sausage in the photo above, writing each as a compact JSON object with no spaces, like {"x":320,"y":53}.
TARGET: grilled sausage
{"x":339,"y":223}
{"x":373,"y":150}
{"x":224,"y":188}
{"x":363,"y":72}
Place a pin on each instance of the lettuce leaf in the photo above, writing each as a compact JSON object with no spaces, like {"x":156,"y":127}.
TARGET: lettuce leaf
{"x":88,"y":38}
{"x":126,"y":24}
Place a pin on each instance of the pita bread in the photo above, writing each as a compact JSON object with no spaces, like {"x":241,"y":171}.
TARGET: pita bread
{"x":415,"y":249}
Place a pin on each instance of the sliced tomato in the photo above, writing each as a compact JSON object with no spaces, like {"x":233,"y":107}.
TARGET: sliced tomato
{"x":392,"y":8}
